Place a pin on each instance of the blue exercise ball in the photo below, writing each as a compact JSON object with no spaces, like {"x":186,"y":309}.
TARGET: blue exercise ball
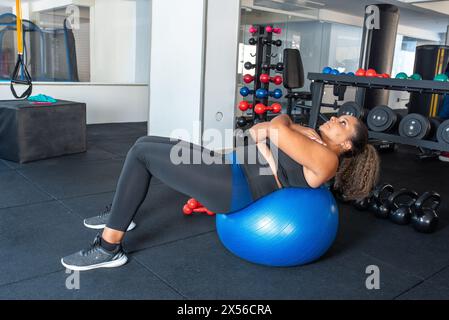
{"x":289,"y":227}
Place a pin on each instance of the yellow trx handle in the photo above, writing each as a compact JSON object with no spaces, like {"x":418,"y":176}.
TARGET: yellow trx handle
{"x":20,"y":74}
{"x":19,"y":27}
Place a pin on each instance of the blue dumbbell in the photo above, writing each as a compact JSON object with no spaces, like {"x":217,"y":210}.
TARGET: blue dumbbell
{"x":277,"y":94}
{"x":327,"y":70}
{"x":335,"y":72}
{"x":245,"y":91}
{"x":262,"y":93}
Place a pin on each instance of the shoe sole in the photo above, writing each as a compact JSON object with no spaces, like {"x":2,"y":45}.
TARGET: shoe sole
{"x":131,"y":227}
{"x":112,"y":264}
{"x":444,"y":159}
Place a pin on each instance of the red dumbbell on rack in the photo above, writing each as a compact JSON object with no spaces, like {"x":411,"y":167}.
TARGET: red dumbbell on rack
{"x":245,"y":105}
{"x":265,"y":78}
{"x":270,"y":29}
{"x":247,"y":78}
{"x":260,"y":108}
{"x":194,"y":206}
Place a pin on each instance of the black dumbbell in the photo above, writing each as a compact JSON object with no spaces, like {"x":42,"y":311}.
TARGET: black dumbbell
{"x":379,"y":204}
{"x":352,"y":108}
{"x":242,"y":122}
{"x":425,"y":218}
{"x":252,"y":41}
{"x":417,"y":126}
{"x":277,"y":43}
{"x":401,"y":204}
{"x":249,"y":66}
{"x":383,"y":119}
{"x":278,"y":67}
{"x":443,"y":133}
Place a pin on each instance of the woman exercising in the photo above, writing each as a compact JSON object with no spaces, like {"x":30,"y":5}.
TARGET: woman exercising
{"x":293,"y":156}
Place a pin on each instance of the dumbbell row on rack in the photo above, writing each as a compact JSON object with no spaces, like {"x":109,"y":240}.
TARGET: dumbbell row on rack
{"x":262,"y":93}
{"x":260,"y":107}
{"x":279,"y":67}
{"x":403,"y":207}
{"x":414,"y":126}
{"x":264,"y":78}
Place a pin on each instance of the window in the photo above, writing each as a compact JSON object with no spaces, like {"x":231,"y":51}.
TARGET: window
{"x":104,"y":41}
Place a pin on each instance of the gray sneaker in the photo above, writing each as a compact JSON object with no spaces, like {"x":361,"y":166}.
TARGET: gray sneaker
{"x":100,"y":221}
{"x":95,"y":257}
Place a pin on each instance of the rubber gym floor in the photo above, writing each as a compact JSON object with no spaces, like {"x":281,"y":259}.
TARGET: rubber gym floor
{"x":42,"y":206}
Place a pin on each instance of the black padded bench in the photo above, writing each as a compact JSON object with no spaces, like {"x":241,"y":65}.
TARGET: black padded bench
{"x":30,"y":132}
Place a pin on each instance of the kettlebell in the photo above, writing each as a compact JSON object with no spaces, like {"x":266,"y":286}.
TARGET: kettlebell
{"x":363,"y":204}
{"x":379,"y":204}
{"x":425,"y":219}
{"x":401,"y":210}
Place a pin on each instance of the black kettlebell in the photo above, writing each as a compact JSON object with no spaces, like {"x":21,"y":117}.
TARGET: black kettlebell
{"x":363,"y":204}
{"x":425,"y":219}
{"x":400,"y":204}
{"x":379,"y":204}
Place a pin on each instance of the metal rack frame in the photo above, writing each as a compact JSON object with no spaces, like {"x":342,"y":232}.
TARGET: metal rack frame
{"x":419,"y":86}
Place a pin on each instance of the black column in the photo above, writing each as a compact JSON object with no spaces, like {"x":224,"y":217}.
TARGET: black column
{"x":430,"y":61}
{"x":377,"y":52}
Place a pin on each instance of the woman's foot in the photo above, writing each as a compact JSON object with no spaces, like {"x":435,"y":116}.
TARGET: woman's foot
{"x":100,"y":221}
{"x":444,"y":156}
{"x":95,"y":257}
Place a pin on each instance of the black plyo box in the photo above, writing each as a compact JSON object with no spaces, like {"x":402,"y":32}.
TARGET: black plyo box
{"x":31,"y":132}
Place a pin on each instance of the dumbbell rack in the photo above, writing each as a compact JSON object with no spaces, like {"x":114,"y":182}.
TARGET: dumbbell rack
{"x":420,"y":86}
{"x":263,"y":57}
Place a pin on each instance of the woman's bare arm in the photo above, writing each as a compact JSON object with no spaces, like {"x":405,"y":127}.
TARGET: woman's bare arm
{"x":318,"y":159}
{"x":259,"y":132}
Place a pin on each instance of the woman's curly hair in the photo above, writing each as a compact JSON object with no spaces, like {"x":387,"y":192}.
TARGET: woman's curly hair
{"x":359,"y":168}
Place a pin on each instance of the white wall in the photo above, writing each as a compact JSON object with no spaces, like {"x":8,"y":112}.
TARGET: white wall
{"x":113,"y":25}
{"x":143,"y":34}
{"x":223,"y":24}
{"x":177,"y":59}
{"x":105,"y":103}
{"x":193,"y":78}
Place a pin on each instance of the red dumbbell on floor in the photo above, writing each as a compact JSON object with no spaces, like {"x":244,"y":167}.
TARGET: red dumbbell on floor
{"x":194,"y":206}
{"x":260,"y":108}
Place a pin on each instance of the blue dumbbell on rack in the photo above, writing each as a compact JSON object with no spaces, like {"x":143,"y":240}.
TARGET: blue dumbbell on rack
{"x":263,"y":93}
{"x":329,"y":70}
{"x":245,"y":91}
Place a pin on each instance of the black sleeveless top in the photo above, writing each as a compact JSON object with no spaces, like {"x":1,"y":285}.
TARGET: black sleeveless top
{"x":259,"y":174}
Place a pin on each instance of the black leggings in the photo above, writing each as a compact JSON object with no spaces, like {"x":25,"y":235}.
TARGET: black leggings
{"x":214,"y":185}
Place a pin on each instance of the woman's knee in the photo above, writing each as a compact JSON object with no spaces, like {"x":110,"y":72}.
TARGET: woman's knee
{"x":157,"y":139}
{"x":142,"y":139}
{"x":137,"y":150}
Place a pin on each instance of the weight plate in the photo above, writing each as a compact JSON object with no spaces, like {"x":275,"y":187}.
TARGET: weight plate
{"x":382,"y":119}
{"x":443,"y":132}
{"x":350,"y":108}
{"x":414,"y":126}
